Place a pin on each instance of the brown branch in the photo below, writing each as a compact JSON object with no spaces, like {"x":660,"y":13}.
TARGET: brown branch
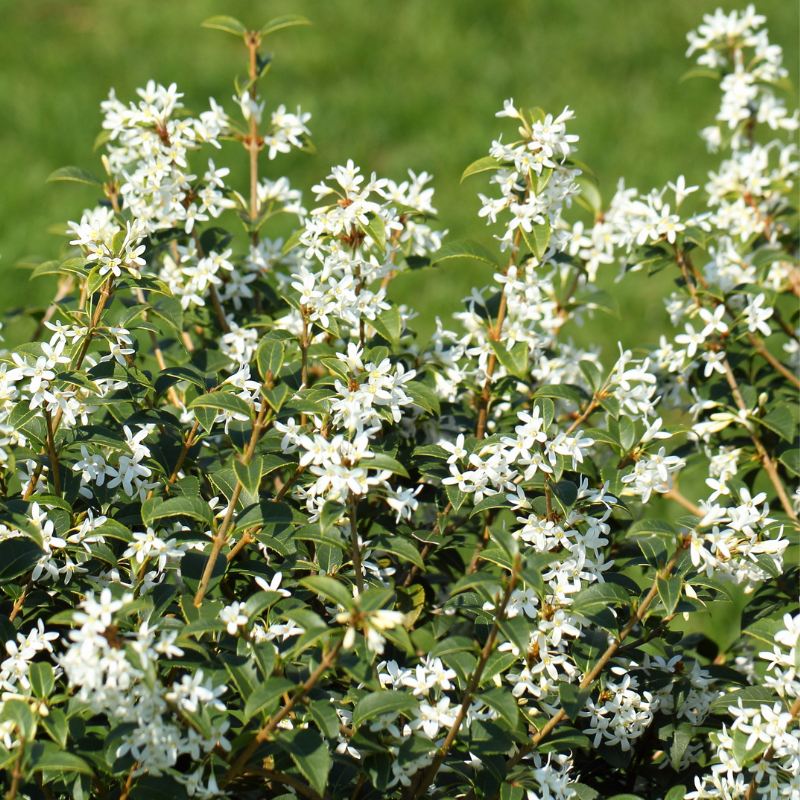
{"x":355,"y":545}
{"x":286,"y":780}
{"x":106,"y":292}
{"x":635,"y":619}
{"x":265,"y":731}
{"x":494,"y":333}
{"x":187,"y":446}
{"x":486,"y":653}
{"x":674,"y":494}
{"x":767,"y":462}
{"x":51,"y":448}
{"x":222,"y":533}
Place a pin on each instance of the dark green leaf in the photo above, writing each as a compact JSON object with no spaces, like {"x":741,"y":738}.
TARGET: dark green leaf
{"x":18,"y":555}
{"x":376,"y":704}
{"x":266,"y":696}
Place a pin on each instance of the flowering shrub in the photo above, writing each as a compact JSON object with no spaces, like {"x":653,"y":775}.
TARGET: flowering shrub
{"x":259,"y":541}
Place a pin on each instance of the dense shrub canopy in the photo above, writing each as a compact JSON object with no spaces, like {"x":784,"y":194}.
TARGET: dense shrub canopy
{"x":257,"y":540}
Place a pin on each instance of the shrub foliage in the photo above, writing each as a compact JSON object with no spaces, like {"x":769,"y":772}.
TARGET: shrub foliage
{"x":257,"y":540}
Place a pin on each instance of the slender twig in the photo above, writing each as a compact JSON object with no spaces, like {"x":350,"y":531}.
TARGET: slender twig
{"x":768,"y":463}
{"x":466,"y":697}
{"x":222,"y":533}
{"x":19,"y":601}
{"x":51,"y":447}
{"x":16,"y":771}
{"x":355,"y":545}
{"x":635,"y":619}
{"x":495,"y":332}
{"x":187,"y":446}
{"x":265,"y":731}
{"x":105,"y":294}
{"x":674,"y":494}
{"x":128,"y":782}
{"x":286,"y":780}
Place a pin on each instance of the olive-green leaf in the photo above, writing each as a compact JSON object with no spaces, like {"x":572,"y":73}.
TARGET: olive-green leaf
{"x":266,"y":695}
{"x":330,"y":588}
{"x":484,"y":164}
{"x":310,"y":753}
{"x":463,"y":248}
{"x":573,"y":698}
{"x":75,"y":174}
{"x":223,"y":401}
{"x":376,"y":704}
{"x":669,"y":590}
{"x":285,"y":21}
{"x":224,"y":23}
{"x":515,"y":360}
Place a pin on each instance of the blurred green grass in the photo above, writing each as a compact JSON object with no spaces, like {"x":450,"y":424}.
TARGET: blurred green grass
{"x":391,"y":85}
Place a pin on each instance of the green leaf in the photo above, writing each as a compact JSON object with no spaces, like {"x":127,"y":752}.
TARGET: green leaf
{"x":538,"y":239}
{"x":224,"y":23}
{"x":276,"y":396}
{"x":41,"y":677}
{"x":376,"y":704}
{"x":561,"y":391}
{"x":285,"y":21}
{"x":249,"y":475}
{"x":330,"y":588}
{"x":325,"y":716}
{"x":515,"y":360}
{"x":669,"y":590}
{"x":223,"y":401}
{"x":309,"y":751}
{"x":659,"y":527}
{"x":680,"y":741}
{"x":376,"y":231}
{"x":781,"y":420}
{"x":18,"y":555}
{"x":676,"y":793}
{"x":74,"y":174}
{"x":177,"y":507}
{"x":382,"y":461}
{"x":55,"y":723}
{"x":52,"y":759}
{"x":266,"y":695}
{"x":389,"y":324}
{"x":19,"y":712}
{"x":269,"y":358}
{"x":423,"y":397}
{"x":485,"y":164}
{"x":599,"y":596}
{"x":398,"y":546}
{"x":592,"y":374}
{"x":573,"y":698}
{"x":464,"y":249}
{"x":504,"y":703}
{"x":331,"y":514}
{"x":492,"y":501}
{"x":791,"y":460}
{"x":193,"y":565}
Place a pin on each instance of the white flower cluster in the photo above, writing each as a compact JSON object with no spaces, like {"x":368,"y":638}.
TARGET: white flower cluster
{"x":761,"y":728}
{"x":148,"y":155}
{"x":108,"y":673}
{"x":721,"y":41}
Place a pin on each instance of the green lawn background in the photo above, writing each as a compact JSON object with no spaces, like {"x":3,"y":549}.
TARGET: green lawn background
{"x":393,"y":85}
